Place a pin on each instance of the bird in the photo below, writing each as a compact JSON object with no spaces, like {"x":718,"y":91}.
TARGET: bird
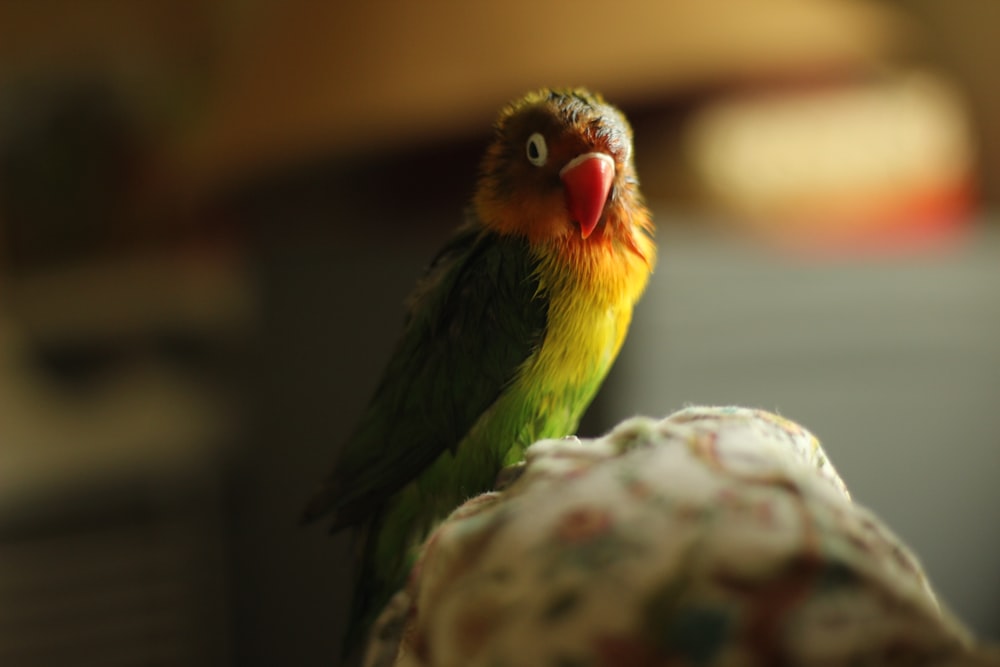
{"x":507,"y":335}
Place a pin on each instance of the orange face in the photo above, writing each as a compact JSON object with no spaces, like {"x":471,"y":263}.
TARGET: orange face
{"x":560,"y":170}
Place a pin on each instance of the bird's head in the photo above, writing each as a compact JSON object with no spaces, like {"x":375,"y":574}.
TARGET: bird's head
{"x":560,"y":170}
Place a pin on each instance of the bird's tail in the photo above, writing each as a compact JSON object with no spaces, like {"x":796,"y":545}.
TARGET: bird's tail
{"x":376,"y":583}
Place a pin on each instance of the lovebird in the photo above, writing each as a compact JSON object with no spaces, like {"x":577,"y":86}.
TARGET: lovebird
{"x":507,"y":335}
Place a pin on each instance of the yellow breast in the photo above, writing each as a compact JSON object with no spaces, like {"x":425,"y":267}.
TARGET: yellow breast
{"x":591,"y":293}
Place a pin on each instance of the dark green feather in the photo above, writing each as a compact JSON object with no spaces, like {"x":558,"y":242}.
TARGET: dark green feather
{"x":473,"y":320}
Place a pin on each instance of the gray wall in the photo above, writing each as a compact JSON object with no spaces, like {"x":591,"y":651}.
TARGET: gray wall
{"x":894,"y":363}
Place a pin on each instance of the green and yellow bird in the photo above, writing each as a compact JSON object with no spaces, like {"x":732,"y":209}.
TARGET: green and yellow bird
{"x":508,"y":335}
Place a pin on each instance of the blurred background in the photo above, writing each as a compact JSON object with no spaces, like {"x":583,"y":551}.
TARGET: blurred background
{"x":210,"y":214}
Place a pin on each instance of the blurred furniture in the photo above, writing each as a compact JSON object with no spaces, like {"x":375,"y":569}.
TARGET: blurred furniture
{"x":115,"y":428}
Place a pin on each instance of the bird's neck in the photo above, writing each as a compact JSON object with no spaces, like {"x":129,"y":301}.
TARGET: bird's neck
{"x":609,"y":268}
{"x":603,"y":272}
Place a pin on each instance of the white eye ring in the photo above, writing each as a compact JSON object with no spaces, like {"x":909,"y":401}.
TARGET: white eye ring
{"x":538,"y":151}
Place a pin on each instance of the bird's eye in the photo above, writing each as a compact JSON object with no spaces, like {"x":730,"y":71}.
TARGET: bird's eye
{"x":538,"y":152}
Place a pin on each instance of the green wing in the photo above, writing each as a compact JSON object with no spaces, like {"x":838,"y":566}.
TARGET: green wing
{"x":474,"y":318}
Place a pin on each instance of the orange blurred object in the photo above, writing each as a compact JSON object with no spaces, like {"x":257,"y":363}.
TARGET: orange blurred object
{"x":878,"y":163}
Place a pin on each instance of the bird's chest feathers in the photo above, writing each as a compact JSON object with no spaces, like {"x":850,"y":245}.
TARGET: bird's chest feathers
{"x":590,"y":308}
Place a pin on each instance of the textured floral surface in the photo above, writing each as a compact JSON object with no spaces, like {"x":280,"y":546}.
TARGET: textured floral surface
{"x":717,"y":536}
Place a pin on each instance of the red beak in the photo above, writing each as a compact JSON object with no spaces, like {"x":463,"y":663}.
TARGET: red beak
{"x":587,"y":179}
